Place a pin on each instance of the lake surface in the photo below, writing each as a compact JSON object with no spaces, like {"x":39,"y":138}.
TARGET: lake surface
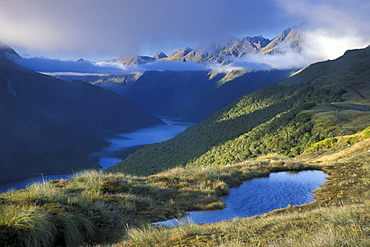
{"x":125,"y":141}
{"x":137,"y":139}
{"x":260,"y":195}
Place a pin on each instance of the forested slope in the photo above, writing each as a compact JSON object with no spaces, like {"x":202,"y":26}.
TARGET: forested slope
{"x":324,"y":100}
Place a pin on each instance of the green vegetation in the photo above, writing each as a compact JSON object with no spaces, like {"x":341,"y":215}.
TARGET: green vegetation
{"x":340,"y":141}
{"x":95,"y":208}
{"x":338,"y":217}
{"x":265,"y":121}
{"x":325,"y":100}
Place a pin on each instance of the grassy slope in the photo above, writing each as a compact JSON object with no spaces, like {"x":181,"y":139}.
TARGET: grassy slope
{"x":324,"y":100}
{"x":93,"y":208}
{"x":338,"y":217}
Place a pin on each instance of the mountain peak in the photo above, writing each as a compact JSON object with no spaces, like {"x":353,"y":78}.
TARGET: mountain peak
{"x":133,"y":60}
{"x":7,"y":53}
{"x":159,"y":55}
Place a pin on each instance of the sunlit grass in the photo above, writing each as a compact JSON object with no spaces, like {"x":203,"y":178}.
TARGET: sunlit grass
{"x":94,"y":208}
{"x":338,"y":217}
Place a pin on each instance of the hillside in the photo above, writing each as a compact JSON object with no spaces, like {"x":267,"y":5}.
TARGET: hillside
{"x":325,"y":99}
{"x":339,"y":215}
{"x":52,"y":126}
{"x":33,"y":142}
{"x":189,"y":95}
{"x":88,"y":106}
{"x":99,"y":209}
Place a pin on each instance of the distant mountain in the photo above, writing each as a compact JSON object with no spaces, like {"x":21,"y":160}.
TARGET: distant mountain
{"x":7,"y":54}
{"x":159,"y":55}
{"x":195,"y":95}
{"x":50,"y":125}
{"x":220,"y":52}
{"x":133,"y":60}
{"x":326,"y":99}
{"x":288,"y":39}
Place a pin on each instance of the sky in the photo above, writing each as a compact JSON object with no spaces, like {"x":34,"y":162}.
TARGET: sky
{"x":99,"y":30}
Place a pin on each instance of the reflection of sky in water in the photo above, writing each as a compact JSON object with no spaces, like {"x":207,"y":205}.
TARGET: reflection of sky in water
{"x":262,"y":195}
{"x":144,"y":136}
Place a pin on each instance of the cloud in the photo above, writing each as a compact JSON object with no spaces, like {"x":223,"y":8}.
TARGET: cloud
{"x":332,"y":26}
{"x":99,"y":30}
{"x":58,"y":67}
{"x":239,"y":63}
{"x":47,"y":65}
{"x":94,"y":29}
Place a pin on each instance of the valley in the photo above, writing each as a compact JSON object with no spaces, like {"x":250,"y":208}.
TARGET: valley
{"x":52,"y":126}
{"x":314,"y":119}
{"x":120,"y":146}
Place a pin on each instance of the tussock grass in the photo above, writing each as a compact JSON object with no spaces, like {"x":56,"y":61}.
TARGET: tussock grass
{"x":338,"y":217}
{"x":25,"y":226}
{"x":95,"y":208}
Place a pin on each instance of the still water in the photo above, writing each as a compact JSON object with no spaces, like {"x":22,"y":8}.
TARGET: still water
{"x":137,"y":139}
{"x":125,"y":141}
{"x":260,"y":195}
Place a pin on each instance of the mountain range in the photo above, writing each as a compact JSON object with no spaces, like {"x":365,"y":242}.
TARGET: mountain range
{"x":195,"y":95}
{"x":52,"y":126}
{"x":224,"y":52}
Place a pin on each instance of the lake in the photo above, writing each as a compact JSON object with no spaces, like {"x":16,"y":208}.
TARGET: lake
{"x":260,"y":195}
{"x":137,"y":139}
{"x":124,"y":142}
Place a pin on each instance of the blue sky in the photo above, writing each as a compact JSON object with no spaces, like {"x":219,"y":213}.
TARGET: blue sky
{"x":99,"y":29}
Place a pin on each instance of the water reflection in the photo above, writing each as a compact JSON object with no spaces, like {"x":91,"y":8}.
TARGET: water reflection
{"x":261,"y":195}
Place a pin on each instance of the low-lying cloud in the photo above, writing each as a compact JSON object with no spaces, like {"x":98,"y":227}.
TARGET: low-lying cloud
{"x":58,"y":67}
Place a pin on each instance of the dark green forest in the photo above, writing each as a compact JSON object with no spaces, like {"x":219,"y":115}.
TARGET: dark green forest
{"x":265,"y":121}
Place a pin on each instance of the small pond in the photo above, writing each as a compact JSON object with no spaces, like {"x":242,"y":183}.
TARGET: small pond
{"x":260,"y":195}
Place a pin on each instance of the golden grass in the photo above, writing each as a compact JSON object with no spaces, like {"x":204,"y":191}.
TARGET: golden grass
{"x":338,"y":217}
{"x":95,"y":208}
